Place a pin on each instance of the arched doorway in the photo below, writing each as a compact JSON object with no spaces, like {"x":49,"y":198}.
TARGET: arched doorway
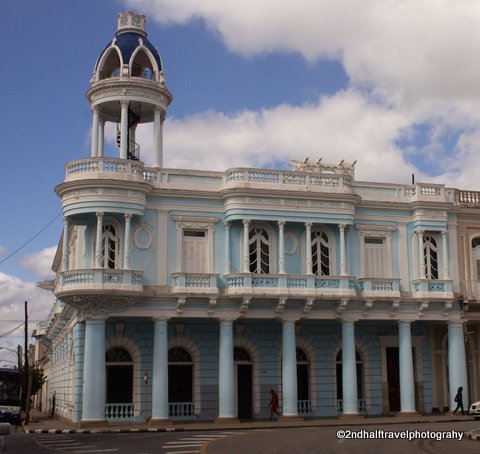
{"x":303,"y":383}
{"x":119,"y":366}
{"x":180,"y":383}
{"x":243,"y":373}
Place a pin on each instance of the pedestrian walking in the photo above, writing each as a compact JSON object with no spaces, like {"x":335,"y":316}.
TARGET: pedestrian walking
{"x":273,"y":404}
{"x":459,"y":400}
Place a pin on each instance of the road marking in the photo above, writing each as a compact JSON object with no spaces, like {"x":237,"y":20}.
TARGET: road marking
{"x":182,"y":452}
{"x":96,"y":450}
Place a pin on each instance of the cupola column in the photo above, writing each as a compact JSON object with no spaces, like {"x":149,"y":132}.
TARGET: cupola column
{"x":95,"y":122}
{"x":124,"y":130}
{"x":157,"y":138}
{"x":101,"y":138}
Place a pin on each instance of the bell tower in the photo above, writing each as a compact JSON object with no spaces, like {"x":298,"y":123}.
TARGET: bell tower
{"x":128,"y":88}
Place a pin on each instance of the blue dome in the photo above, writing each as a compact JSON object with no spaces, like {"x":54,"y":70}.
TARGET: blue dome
{"x":128,"y":42}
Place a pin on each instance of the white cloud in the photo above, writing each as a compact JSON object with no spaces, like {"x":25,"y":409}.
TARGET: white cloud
{"x":410,"y":63}
{"x":13,"y":293}
{"x":39,"y":263}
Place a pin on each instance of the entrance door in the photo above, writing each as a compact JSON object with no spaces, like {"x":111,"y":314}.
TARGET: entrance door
{"x":393,"y":378}
{"x":244,"y":391}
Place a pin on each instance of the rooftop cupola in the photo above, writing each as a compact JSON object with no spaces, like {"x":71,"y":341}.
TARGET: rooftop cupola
{"x":128,"y":88}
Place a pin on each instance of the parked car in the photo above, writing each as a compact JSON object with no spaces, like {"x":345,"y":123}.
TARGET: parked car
{"x":475,"y":410}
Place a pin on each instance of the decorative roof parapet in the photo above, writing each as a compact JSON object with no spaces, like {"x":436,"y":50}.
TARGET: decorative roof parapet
{"x":131,"y":22}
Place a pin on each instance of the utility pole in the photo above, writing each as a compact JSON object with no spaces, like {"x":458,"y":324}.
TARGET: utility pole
{"x":26,"y":366}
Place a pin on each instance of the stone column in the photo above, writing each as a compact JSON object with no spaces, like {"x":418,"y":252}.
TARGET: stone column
{"x":79,"y":351}
{"x":226,"y":378}
{"x":246,"y":249}
{"x":289,"y":370}
{"x":127,"y":247}
{"x":101,"y":138}
{"x":160,"y":371}
{"x":228,"y":262}
{"x":157,"y":138}
{"x":281,"y":247}
{"x":407,"y":383}
{"x":98,"y":241}
{"x":94,"y":383}
{"x":349,"y":369}
{"x":95,"y":121}
{"x":124,"y":130}
{"x":457,"y":362}
{"x":65,"y":244}
{"x":343,"y":256}
{"x":308,"y":247}
{"x":421,"y":254}
{"x":446,"y":270}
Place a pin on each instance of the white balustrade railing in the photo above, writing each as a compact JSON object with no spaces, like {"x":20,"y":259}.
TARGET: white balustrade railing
{"x":181,"y":410}
{"x":468,"y":197}
{"x":304,"y":407}
{"x":361,"y":405}
{"x":99,"y":277}
{"x":119,"y":411}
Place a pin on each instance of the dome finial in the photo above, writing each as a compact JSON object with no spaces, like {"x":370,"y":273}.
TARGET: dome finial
{"x":129,"y":22}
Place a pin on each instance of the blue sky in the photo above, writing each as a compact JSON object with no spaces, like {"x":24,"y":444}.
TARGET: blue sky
{"x":393,"y":85}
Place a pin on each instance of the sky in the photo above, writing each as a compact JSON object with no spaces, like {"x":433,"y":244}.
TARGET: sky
{"x":394,"y":85}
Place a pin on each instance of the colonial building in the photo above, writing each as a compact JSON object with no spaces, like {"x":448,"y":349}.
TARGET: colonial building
{"x":189,"y":294}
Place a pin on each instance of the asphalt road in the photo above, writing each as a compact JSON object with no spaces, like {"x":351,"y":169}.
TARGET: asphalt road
{"x":279,"y":441}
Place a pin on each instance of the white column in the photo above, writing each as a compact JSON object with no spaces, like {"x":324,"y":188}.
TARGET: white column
{"x":446,"y":270}
{"x":124,"y":130}
{"x":226,"y":371}
{"x":349,"y":369}
{"x":343,"y":256}
{"x":126,"y":251}
{"x":289,"y":369}
{"x":246,"y":250}
{"x":281,"y":247}
{"x":101,"y":138}
{"x":98,"y":241}
{"x":93,"y":406}
{"x":157,"y":138}
{"x":407,"y":383}
{"x":421,"y":257}
{"x":160,"y":370}
{"x":308,"y":247}
{"x":65,"y":244}
{"x":457,"y":362}
{"x":228,"y":262}
{"x":95,"y":121}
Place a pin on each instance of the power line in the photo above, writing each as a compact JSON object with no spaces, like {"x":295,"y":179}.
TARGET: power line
{"x":12,"y":330}
{"x":30,"y":240}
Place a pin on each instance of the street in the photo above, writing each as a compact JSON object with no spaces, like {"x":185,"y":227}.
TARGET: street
{"x":299,"y":440}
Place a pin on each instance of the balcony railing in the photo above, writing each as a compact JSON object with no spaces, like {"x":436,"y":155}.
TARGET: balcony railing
{"x":119,"y":412}
{"x":194,"y":283}
{"x":289,"y":285}
{"x":304,"y":407}
{"x":181,"y":410}
{"x":361,"y":405}
{"x":379,"y":287}
{"x":99,"y":279}
{"x":432,"y":288}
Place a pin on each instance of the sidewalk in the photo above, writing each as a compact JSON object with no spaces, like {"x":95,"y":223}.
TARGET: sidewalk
{"x":42,"y":423}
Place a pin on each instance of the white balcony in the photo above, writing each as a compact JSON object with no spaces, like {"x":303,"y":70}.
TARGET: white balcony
{"x":195,"y":284}
{"x":382,"y":288}
{"x":432,"y":289}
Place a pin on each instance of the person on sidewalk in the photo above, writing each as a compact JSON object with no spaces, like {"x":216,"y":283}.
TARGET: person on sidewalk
{"x":459,"y":400}
{"x":273,"y":404}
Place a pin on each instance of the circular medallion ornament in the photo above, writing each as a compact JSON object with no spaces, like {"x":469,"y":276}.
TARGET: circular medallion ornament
{"x":143,"y":237}
{"x":291,"y":242}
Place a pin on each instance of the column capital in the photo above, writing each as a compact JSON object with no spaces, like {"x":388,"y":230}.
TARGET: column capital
{"x":124,"y":103}
{"x":227,"y":224}
{"x":99,"y":214}
{"x":66,"y":220}
{"x":227,"y":320}
{"x":128,"y":216}
{"x":94,"y":109}
{"x":342,"y":227}
{"x":281,"y":224}
{"x":308,"y":225}
{"x":246,"y":222}
{"x":444,"y":233}
{"x":404,"y":322}
{"x":420,"y":232}
{"x":160,"y":318}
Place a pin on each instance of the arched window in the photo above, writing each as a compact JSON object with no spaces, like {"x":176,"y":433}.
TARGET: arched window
{"x":180,"y":383}
{"x":303,"y":382}
{"x":338,"y":362}
{"x":431,"y":257}
{"x":320,"y":253}
{"x":111,"y":64}
{"x":119,"y":376}
{"x":142,"y":66}
{"x":259,"y":250}
{"x":110,"y":246}
{"x":476,"y":265}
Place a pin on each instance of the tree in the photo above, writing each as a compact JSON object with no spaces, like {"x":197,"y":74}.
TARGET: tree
{"x":38,"y":379}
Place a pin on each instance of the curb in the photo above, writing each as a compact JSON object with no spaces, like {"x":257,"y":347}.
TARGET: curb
{"x":473,"y":436}
{"x":101,"y":431}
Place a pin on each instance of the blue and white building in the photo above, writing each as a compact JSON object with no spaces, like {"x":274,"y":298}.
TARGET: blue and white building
{"x":347,"y":297}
